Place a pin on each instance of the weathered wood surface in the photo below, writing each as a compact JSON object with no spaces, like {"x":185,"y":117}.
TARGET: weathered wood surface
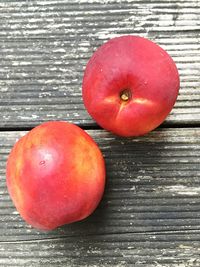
{"x":45,"y":45}
{"x":150,"y":213}
{"x":149,"y":216}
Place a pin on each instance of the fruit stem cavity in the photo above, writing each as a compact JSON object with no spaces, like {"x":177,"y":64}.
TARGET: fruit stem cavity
{"x":125,"y":95}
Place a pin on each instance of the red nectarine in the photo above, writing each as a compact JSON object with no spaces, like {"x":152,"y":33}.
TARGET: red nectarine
{"x":130,"y":85}
{"x":55,"y":175}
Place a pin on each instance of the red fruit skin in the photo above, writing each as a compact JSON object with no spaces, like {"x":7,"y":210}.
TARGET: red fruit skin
{"x":55,"y":175}
{"x":142,"y":67}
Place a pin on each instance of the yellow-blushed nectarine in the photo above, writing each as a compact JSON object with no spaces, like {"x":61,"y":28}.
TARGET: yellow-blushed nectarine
{"x":55,"y":175}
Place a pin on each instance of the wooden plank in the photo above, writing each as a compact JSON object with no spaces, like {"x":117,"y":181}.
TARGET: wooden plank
{"x":149,"y":215}
{"x":45,"y":46}
{"x":166,"y":250}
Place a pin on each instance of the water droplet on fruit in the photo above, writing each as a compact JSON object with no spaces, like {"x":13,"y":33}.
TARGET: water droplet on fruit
{"x":42,"y":162}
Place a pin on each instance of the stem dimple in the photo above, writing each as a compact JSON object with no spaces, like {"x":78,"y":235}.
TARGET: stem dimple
{"x":125,"y":95}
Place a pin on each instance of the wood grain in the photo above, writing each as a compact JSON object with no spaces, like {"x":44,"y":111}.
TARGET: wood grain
{"x":45,"y":46}
{"x":150,"y":212}
{"x":149,"y":216}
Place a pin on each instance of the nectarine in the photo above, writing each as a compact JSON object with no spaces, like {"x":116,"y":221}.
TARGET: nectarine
{"x":130,"y":85}
{"x":55,"y":175}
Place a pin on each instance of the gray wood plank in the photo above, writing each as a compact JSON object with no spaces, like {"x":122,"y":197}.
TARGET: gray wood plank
{"x":169,"y":250}
{"x":45,"y":46}
{"x":149,"y":216}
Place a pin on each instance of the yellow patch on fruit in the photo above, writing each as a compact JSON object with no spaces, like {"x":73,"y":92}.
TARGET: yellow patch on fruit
{"x":18,"y":196}
{"x":16,"y":189}
{"x":143,"y":101}
{"x":18,"y":167}
{"x":110,"y":99}
{"x":85,"y":158}
{"x":33,"y":138}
